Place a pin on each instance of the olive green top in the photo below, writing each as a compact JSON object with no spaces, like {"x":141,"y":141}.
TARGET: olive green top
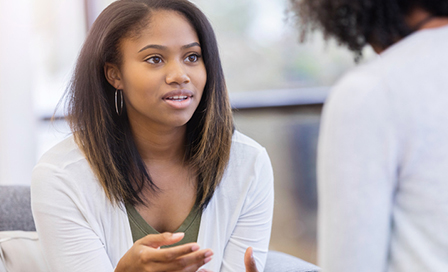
{"x":140,"y":228}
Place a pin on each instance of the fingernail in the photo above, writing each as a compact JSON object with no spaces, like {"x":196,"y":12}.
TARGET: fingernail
{"x":195,"y":248}
{"x":206,"y":260}
{"x":208,"y":254}
{"x":178,"y":234}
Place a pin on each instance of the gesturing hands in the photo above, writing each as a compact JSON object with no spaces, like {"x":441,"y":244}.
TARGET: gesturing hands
{"x":146,"y":255}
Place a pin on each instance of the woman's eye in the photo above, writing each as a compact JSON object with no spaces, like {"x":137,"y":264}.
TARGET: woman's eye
{"x":192,"y":58}
{"x":154,"y":60}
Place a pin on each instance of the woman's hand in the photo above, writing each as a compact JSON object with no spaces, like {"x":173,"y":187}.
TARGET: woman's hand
{"x":146,"y":255}
{"x":249,"y":261}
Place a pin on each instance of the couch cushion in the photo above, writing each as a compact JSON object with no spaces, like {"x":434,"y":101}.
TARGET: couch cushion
{"x":20,"y":251}
{"x":278,"y":261}
{"x":15,"y":208}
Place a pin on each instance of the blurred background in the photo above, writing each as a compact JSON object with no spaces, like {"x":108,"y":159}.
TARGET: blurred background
{"x":276,"y":84}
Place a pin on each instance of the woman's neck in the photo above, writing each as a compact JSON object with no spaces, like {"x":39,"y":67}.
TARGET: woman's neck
{"x":159,"y":144}
{"x":419,"y":19}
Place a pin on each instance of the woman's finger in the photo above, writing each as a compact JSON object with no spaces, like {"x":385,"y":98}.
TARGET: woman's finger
{"x":163,"y":239}
{"x":194,"y":260}
{"x":249,"y":261}
{"x":189,"y":262}
{"x":194,"y":267}
{"x":168,"y":254}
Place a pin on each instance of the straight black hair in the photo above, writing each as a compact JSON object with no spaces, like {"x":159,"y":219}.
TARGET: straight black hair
{"x":105,"y":137}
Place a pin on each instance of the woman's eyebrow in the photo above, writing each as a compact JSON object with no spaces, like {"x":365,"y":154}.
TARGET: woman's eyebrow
{"x":155,"y":46}
{"x":191,"y":45}
{"x":161,"y":47}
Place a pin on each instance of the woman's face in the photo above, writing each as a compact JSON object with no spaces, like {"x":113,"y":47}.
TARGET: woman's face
{"x":162,"y":73}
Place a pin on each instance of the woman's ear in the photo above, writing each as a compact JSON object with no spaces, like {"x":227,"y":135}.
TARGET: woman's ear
{"x":113,"y":75}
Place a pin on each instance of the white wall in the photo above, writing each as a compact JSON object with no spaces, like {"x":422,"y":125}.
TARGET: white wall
{"x":39,"y":44}
{"x":17,"y":121}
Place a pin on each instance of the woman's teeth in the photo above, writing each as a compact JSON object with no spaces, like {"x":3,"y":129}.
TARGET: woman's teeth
{"x":177,"y":98}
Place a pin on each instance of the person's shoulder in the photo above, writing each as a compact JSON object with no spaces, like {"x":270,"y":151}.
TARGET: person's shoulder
{"x":242,"y":141}
{"x":244,"y":146}
{"x":62,"y":154}
{"x":249,"y":164}
{"x":419,"y":57}
{"x":64,"y":163}
{"x":361,"y":83}
{"x":405,"y":60}
{"x":246,"y":151}
{"x":64,"y":176}
{"x":357,"y":97}
{"x":423,"y":46}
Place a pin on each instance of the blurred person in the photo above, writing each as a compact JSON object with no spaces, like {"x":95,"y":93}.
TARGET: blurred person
{"x":383,"y":147}
{"x":154,"y":177}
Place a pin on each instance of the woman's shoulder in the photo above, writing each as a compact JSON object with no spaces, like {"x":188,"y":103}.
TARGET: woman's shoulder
{"x":62,"y":154}
{"x":63,"y":178}
{"x":248,"y":172}
{"x":246,"y":154}
{"x":241,"y":142}
{"x":64,"y":164}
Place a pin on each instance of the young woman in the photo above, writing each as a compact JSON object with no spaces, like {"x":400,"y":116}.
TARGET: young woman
{"x":383,"y":150}
{"x":154,"y":177}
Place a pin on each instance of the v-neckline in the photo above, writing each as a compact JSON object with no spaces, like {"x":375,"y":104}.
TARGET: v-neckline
{"x":146,"y":228}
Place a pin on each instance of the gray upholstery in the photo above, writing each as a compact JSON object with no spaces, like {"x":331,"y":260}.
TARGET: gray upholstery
{"x":15,"y":214}
{"x":278,"y":261}
{"x":15,"y":208}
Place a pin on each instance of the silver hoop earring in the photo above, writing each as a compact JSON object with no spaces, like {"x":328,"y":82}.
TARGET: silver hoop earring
{"x":119,"y":110}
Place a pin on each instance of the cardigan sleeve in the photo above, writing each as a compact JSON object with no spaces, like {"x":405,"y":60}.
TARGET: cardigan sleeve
{"x":68,"y":240}
{"x":253,"y":228}
{"x":357,"y":168}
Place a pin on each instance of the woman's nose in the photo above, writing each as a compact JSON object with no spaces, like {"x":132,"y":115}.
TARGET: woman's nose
{"x":176,"y":74}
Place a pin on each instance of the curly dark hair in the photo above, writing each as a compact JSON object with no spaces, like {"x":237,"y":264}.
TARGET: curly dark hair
{"x":355,"y":23}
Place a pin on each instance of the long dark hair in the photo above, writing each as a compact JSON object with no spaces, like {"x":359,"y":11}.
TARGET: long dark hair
{"x":105,"y":137}
{"x":356,"y":23}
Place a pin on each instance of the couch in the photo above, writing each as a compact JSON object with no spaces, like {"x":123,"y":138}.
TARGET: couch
{"x":19,"y":247}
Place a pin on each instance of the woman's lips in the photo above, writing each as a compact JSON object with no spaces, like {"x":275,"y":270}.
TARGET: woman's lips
{"x":178,"y":99}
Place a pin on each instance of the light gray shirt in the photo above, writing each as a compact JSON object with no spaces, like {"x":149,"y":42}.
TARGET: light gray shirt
{"x":383,"y":162}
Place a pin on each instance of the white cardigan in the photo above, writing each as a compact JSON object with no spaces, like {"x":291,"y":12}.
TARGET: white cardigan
{"x":80,"y":230}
